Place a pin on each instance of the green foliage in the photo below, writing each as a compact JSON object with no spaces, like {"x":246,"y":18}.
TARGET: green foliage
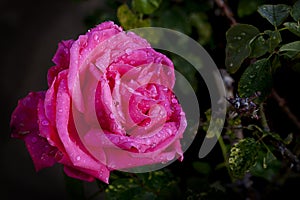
{"x":129,"y":20}
{"x":246,"y":7}
{"x":152,"y":185}
{"x":243,"y":156}
{"x":257,"y":77}
{"x":293,"y":27}
{"x":291,"y":49}
{"x":275,"y":14}
{"x":145,"y":6}
{"x":238,"y":48}
{"x":295,"y":13}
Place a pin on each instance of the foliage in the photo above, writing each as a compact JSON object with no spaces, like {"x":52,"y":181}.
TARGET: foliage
{"x":254,"y":154}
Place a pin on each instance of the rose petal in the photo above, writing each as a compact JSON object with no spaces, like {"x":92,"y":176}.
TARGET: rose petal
{"x":25,"y":126}
{"x":68,"y":134}
{"x":61,"y":59}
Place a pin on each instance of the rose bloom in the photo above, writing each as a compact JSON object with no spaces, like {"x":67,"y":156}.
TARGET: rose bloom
{"x":109,"y":106}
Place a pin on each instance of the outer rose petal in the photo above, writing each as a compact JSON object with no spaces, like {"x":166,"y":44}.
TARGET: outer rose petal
{"x":61,"y":59}
{"x":24,"y":123}
{"x":77,"y":153}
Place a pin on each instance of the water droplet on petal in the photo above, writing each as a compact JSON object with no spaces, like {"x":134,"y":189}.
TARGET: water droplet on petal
{"x":111,"y":116}
{"x":60,"y":110}
{"x":128,"y":51}
{"x":96,"y":37}
{"x":174,"y":100}
{"x":169,"y":157}
{"x":78,"y":158}
{"x":45,"y":123}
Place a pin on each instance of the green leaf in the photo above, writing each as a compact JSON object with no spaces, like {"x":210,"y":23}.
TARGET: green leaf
{"x":129,"y":20}
{"x":266,"y":159}
{"x":290,"y":49}
{"x":259,"y":47}
{"x":275,"y":14}
{"x":257,"y":77}
{"x":246,"y":7}
{"x":238,"y":45}
{"x":293,"y":27}
{"x":274,"y":39}
{"x":242,"y":156}
{"x":203,"y":27}
{"x":174,"y":18}
{"x":145,"y":6}
{"x":295,"y":13}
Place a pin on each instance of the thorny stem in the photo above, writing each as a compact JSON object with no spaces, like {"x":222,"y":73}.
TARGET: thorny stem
{"x":282,"y":104}
{"x":227,"y":11}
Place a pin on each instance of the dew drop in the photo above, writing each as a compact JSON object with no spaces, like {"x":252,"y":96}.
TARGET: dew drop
{"x":44,"y":156}
{"x":128,"y":51}
{"x":169,"y":157}
{"x":231,"y":64}
{"x":60,"y":110}
{"x":174,"y":100}
{"x":45,"y":123}
{"x":78,"y":158}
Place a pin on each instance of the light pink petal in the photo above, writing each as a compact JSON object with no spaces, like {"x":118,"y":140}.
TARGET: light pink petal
{"x":68,"y":135}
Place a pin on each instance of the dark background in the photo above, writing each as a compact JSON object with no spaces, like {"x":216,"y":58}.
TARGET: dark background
{"x":30,"y":32}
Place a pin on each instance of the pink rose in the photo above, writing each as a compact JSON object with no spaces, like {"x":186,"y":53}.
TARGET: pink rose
{"x":109,"y":106}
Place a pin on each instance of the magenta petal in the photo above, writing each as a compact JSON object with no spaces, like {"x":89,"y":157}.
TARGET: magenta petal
{"x":61,"y":59}
{"x":78,"y":174}
{"x":25,"y":126}
{"x":42,"y":154}
{"x":24,"y":118}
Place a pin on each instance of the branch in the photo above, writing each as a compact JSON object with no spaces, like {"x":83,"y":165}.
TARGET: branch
{"x":227,"y":11}
{"x":285,"y":108}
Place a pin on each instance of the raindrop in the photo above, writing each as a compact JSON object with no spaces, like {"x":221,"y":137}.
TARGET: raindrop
{"x":239,"y":38}
{"x":169,"y":157}
{"x":77,"y":158}
{"x":165,"y":89}
{"x":174,"y":100}
{"x":44,"y":156}
{"x":45,"y":123}
{"x":243,"y":33}
{"x":231,"y":64}
{"x":60,"y":110}
{"x":111,"y":116}
{"x":128,"y":51}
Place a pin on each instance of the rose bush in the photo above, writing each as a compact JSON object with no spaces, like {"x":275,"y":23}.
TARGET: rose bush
{"x":109,"y":106}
